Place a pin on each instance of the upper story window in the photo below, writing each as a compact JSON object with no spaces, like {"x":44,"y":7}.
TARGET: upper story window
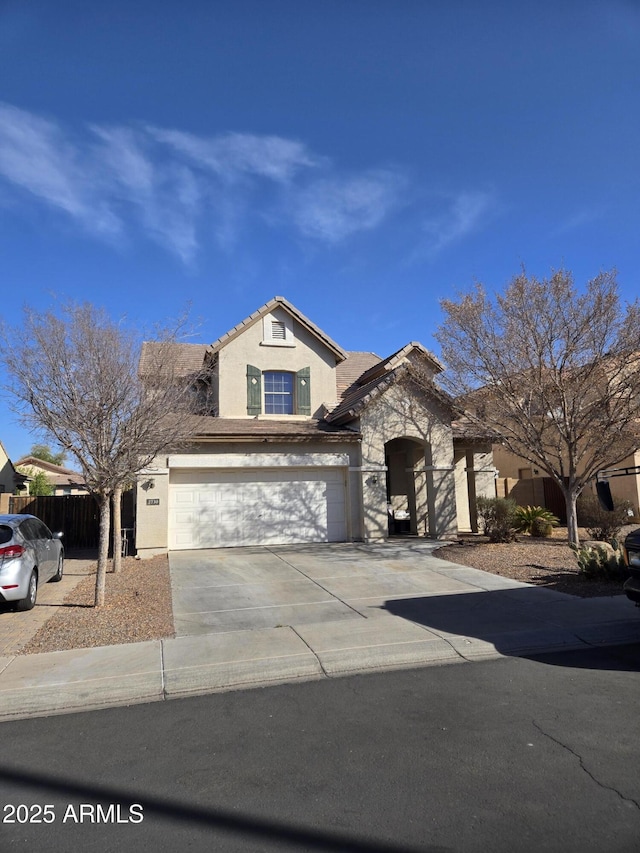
{"x":278,"y":393}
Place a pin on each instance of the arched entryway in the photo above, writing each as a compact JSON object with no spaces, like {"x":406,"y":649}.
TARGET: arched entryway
{"x":408,"y":461}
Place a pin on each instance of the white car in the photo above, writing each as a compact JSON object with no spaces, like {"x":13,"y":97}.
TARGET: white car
{"x":30,"y":555}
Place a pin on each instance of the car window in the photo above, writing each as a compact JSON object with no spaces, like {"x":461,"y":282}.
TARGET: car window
{"x":28,"y":530}
{"x":41,"y":529}
{"x":6,"y":533}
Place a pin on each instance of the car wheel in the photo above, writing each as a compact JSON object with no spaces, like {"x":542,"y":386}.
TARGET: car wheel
{"x":58,"y":575}
{"x":29,"y":602}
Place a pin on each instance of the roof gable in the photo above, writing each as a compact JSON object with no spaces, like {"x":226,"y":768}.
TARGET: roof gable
{"x":57,"y":475}
{"x":361,"y":395}
{"x":279,"y":302}
{"x":407,"y":354}
{"x":35,"y":462}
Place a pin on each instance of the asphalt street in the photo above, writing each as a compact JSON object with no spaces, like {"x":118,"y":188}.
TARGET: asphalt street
{"x":516,"y":754}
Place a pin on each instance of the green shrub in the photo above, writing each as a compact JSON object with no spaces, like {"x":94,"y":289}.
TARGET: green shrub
{"x":535,"y":520}
{"x":40,"y":484}
{"x":598,"y":563}
{"x":540,"y":528}
{"x":601,"y":524}
{"x":497,"y":518}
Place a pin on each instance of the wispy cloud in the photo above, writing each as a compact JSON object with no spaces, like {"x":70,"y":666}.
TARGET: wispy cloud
{"x":36,"y":156}
{"x":180,"y":189}
{"x":466,"y":213}
{"x":578,"y":219}
{"x":334,"y":208}
{"x":165,"y":194}
{"x":232,"y":155}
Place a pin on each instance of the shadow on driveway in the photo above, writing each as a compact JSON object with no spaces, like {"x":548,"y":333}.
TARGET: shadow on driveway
{"x":526,"y":622}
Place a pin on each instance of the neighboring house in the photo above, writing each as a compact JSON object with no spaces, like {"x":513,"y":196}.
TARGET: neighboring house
{"x":528,"y":484}
{"x":307,"y":442}
{"x":10,"y":479}
{"x":63,"y":480}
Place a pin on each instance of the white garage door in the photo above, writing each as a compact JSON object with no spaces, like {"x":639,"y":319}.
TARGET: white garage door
{"x":218,"y":509}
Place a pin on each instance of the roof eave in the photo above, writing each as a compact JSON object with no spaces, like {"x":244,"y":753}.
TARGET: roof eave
{"x":279,"y":301}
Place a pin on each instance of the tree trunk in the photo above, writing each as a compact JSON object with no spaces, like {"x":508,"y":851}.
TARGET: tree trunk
{"x":117,"y":528}
{"x":103,"y":548}
{"x":572,"y":517}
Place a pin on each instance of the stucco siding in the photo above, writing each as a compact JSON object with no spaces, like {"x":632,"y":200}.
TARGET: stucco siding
{"x":7,"y":482}
{"x":250,"y":348}
{"x":404,"y":412}
{"x":153,"y":501}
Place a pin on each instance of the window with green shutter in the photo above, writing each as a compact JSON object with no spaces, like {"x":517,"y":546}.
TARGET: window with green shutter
{"x":303,"y":391}
{"x":254,"y":390}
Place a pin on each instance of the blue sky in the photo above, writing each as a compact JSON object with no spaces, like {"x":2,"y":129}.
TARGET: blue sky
{"x":361,"y":158}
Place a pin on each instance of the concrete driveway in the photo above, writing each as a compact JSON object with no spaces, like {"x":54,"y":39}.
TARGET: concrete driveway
{"x":237,"y":589}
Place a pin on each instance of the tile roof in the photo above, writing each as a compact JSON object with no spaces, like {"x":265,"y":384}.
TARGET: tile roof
{"x":359,"y":396}
{"x":279,"y":302}
{"x":187,"y":358}
{"x":212,"y":427}
{"x":352,"y":368}
{"x":469,"y":430}
{"x":399,"y":357}
{"x":57,"y":475}
{"x":375,"y":381}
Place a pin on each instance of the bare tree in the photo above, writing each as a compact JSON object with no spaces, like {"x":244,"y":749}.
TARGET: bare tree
{"x":74,"y":377}
{"x":555,"y":372}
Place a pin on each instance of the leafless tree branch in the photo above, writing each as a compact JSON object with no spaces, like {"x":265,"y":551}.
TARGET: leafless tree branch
{"x":74,"y":378}
{"x":555,"y":372}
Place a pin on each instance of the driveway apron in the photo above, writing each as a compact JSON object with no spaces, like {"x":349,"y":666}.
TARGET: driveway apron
{"x":237,"y":589}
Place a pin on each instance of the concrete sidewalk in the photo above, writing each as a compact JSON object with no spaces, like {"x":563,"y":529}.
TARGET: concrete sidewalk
{"x":465,"y":615}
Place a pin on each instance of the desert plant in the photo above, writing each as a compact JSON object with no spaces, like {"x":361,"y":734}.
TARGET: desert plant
{"x":601,"y":524}
{"x":540,"y":528}
{"x":497,"y":518}
{"x":535,"y":520}
{"x":599,"y":562}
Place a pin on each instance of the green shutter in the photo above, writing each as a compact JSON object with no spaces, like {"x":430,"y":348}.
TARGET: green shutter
{"x":254,"y":390}
{"x":303,"y":391}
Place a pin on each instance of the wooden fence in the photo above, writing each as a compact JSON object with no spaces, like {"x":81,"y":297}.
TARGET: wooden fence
{"x":77,"y":516}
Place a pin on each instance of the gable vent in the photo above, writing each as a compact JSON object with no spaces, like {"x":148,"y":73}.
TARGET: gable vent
{"x":278,"y":331}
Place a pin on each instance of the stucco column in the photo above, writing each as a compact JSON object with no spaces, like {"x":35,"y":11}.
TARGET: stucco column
{"x":463,"y":496}
{"x":419,"y":476}
{"x":442,"y":497}
{"x":152,"y":512}
{"x":484,"y":473}
{"x":374,"y":501}
{"x":481,"y":480}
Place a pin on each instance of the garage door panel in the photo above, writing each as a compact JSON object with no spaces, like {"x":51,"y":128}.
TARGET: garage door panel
{"x":238,"y":508}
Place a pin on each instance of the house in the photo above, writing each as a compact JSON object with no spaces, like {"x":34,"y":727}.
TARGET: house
{"x":580,"y":416}
{"x":63,"y":480}
{"x":307,"y":442}
{"x":529,"y":485}
{"x":10,"y":479}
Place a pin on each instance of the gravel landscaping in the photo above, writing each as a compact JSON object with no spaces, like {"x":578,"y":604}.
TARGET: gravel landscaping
{"x":541,"y":562}
{"x":138,"y":607}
